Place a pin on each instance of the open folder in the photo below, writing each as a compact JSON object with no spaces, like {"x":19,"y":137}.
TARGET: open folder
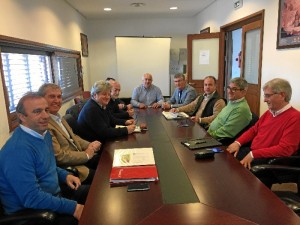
{"x":201,"y":143}
{"x":133,"y":165}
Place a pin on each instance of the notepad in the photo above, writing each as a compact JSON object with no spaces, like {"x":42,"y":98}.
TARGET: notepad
{"x":201,"y":143}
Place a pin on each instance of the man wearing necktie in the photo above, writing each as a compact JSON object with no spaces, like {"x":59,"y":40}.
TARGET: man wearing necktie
{"x":183,"y":94}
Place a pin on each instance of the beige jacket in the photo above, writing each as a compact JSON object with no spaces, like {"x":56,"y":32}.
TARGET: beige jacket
{"x":66,"y":152}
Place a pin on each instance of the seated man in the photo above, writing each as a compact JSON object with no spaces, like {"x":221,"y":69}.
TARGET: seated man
{"x":236,"y":115}
{"x":69,"y":149}
{"x":115,"y":105}
{"x":206,"y":106}
{"x":96,"y":122}
{"x":183,"y":94}
{"x":147,"y":94}
{"x":276,"y":133}
{"x":29,"y":177}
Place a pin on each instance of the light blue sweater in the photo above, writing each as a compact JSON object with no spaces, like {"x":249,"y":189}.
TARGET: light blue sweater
{"x":29,"y":177}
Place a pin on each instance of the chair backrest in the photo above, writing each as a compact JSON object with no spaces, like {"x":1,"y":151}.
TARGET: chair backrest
{"x":75,"y":110}
{"x":72,"y":123}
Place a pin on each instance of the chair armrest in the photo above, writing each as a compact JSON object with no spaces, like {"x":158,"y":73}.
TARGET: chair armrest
{"x":272,"y":168}
{"x":40,"y":216}
{"x":73,"y":170}
{"x":288,"y":161}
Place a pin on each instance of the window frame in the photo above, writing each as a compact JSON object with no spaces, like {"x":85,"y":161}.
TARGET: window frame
{"x":27,"y":47}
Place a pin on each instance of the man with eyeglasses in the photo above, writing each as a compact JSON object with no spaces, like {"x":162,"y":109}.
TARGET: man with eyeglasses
{"x":183,"y":94}
{"x":277,"y":132}
{"x":206,"y":106}
{"x":147,"y":94}
{"x":236,"y":115}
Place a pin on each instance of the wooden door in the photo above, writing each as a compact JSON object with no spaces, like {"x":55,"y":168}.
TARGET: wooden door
{"x":251,"y":62}
{"x":204,"y":54}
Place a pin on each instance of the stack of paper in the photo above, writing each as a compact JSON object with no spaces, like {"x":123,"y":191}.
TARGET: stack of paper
{"x":174,"y":116}
{"x":133,"y":165}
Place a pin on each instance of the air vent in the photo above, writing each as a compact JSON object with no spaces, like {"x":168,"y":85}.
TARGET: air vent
{"x":137,"y":4}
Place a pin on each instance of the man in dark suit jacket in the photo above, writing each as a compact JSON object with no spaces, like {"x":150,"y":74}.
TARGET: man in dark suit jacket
{"x":115,"y":106}
{"x":69,"y":149}
{"x":96,"y":122}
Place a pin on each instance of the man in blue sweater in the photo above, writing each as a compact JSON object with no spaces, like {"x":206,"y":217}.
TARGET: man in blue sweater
{"x":29,"y":177}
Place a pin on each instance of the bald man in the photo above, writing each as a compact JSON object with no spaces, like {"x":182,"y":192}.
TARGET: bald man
{"x":147,"y":94}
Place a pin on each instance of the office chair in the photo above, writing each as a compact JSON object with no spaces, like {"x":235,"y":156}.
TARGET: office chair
{"x":282,"y":170}
{"x":28,"y":217}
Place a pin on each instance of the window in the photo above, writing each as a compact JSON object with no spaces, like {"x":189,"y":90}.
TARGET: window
{"x":25,"y":66}
{"x":23,"y":73}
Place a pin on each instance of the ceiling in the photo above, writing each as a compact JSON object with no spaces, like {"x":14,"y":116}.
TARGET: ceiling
{"x":121,"y":9}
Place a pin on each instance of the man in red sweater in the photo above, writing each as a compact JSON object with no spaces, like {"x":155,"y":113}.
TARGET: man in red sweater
{"x":276,"y":133}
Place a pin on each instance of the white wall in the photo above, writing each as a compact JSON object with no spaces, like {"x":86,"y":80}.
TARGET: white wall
{"x":276,"y":63}
{"x":49,"y":22}
{"x":103,"y":60}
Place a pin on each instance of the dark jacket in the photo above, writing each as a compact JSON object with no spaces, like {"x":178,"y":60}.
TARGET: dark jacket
{"x":113,"y":108}
{"x":96,"y":123}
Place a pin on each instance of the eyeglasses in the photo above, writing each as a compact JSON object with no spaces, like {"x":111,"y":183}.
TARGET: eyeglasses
{"x":234,"y":89}
{"x":269,"y":95}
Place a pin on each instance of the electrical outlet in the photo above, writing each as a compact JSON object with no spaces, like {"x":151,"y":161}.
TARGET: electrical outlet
{"x":237,"y":4}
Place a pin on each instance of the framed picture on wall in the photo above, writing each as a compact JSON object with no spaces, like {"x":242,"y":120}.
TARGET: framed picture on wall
{"x":205,"y":30}
{"x":288,"y":32}
{"x":84,"y":45}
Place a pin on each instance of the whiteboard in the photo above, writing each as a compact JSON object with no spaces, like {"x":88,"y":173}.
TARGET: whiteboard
{"x":139,"y":55}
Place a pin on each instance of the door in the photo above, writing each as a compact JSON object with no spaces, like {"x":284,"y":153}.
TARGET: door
{"x":204,"y":51}
{"x":251,"y":63}
{"x":243,"y":55}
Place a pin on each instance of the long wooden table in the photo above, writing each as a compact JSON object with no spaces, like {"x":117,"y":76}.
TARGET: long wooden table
{"x":227,"y":192}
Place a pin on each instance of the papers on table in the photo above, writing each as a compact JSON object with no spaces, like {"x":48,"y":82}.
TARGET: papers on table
{"x":174,"y":116}
{"x":133,"y":165}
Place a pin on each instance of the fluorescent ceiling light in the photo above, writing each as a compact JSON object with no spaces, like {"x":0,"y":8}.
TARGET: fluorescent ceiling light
{"x":173,"y":8}
{"x":107,"y":9}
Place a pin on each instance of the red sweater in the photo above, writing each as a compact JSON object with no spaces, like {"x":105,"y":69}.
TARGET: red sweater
{"x":274,"y":136}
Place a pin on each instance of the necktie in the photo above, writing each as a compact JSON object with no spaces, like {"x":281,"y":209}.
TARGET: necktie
{"x":179,"y":95}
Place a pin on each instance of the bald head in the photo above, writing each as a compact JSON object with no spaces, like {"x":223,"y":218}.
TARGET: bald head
{"x":147,"y":80}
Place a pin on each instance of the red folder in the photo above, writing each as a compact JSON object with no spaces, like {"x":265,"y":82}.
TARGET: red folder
{"x":130,"y":174}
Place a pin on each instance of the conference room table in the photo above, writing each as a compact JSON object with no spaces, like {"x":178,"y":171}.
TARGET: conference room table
{"x":189,"y":191}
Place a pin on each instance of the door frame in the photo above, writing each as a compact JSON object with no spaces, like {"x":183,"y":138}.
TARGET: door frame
{"x":258,"y":16}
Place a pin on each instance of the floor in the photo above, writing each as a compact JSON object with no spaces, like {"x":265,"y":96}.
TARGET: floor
{"x":285,"y":187}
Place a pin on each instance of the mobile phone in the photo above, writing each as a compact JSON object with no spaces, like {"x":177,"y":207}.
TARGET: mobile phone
{"x":216,"y":150}
{"x":138,"y":187}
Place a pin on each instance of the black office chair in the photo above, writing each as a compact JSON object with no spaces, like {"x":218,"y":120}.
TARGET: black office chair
{"x":28,"y":217}
{"x":282,"y":170}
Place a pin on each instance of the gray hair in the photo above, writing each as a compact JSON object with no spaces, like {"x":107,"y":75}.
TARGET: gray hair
{"x":100,"y":86}
{"x":20,"y":109}
{"x":240,"y":82}
{"x":179,"y":75}
{"x":278,"y":85}
{"x":43,"y":89}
